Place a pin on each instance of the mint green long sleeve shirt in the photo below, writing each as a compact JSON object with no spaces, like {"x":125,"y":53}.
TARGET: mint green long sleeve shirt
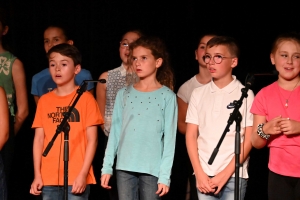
{"x":143,"y":133}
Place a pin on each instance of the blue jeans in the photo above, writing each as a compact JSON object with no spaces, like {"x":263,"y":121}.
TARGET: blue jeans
{"x":57,"y":193}
{"x":134,"y":186}
{"x":227,"y":192}
{"x":3,"y":190}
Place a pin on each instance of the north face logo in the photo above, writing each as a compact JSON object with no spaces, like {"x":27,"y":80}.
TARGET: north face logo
{"x":58,"y":115}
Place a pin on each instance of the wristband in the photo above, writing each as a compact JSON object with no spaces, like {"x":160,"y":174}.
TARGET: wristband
{"x":261,"y":133}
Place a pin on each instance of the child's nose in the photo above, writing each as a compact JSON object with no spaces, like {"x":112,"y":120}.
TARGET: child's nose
{"x":290,"y":60}
{"x":50,"y":44}
{"x":137,"y":62}
{"x":211,"y":62}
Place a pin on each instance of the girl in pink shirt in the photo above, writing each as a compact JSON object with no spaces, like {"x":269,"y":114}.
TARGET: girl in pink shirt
{"x":276,"y":110}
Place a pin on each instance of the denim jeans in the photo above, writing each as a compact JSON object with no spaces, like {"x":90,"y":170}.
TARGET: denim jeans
{"x":227,"y":192}
{"x":3,"y":191}
{"x":135,"y":186}
{"x":57,"y":193}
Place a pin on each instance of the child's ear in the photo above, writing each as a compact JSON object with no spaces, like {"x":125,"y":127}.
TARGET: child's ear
{"x":5,"y":30}
{"x":272,"y":59}
{"x":77,"y":69}
{"x":234,"y":62}
{"x":196,"y":56}
{"x":70,"y":42}
{"x":159,"y":62}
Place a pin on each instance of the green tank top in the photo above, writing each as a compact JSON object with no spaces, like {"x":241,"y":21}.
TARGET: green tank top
{"x":6,"y":81}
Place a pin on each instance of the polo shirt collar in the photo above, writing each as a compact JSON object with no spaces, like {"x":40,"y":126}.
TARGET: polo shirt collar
{"x":228,"y":89}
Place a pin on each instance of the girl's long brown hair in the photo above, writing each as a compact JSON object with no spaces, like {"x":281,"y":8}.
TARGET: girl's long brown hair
{"x":164,"y":75}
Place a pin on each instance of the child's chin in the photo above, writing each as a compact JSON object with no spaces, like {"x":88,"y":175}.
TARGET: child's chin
{"x":59,"y":83}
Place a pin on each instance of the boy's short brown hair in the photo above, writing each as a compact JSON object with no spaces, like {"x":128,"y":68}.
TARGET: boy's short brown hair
{"x":66,"y":50}
{"x":229,"y":42}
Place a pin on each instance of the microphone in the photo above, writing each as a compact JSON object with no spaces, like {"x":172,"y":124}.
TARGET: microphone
{"x":100,"y":81}
{"x":249,"y":81}
{"x":84,"y":84}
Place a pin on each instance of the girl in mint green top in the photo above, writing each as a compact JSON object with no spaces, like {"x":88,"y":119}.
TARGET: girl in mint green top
{"x":143,"y":128}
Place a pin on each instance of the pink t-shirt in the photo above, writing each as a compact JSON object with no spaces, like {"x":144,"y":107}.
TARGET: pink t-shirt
{"x":284,"y":150}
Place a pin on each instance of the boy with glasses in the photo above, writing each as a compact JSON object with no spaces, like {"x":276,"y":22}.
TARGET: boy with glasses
{"x":207,"y":116}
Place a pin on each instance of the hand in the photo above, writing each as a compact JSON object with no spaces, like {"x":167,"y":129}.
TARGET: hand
{"x":36,"y":186}
{"x":218,"y":181}
{"x":79,"y":184}
{"x":202,"y":183}
{"x":289,"y":127}
{"x":162,"y":189}
{"x":105,"y":180}
{"x":272,"y":127}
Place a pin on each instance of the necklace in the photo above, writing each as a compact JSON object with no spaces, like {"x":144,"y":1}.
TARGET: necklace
{"x":286,"y":105}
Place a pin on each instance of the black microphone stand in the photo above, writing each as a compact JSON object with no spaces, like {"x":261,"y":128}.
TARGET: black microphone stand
{"x":237,"y":117}
{"x":65,"y":127}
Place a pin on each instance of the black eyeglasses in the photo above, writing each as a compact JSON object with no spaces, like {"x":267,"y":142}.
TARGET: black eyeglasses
{"x":216,"y":58}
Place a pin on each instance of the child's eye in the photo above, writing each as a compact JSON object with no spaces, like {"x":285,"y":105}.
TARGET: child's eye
{"x":144,"y":58}
{"x":283,"y":55}
{"x":218,"y":56}
{"x":46,"y":41}
{"x":206,"y":56}
{"x":64,"y":64}
{"x":52,"y":65}
{"x":202,"y":47}
{"x":124,"y":44}
{"x":296,"y":56}
{"x":134,"y":59}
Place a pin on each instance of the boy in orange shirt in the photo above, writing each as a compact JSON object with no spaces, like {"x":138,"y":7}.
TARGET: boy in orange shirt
{"x":64,"y":64}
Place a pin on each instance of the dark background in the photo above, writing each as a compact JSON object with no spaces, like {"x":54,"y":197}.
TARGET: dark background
{"x":97,"y":27}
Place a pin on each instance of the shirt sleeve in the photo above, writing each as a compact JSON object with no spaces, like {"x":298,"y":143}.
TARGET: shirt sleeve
{"x":93,"y":113}
{"x":114,"y":135}
{"x":192,"y":114}
{"x":258,"y":106}
{"x":182,"y":93}
{"x":169,"y":141}
{"x":34,"y":90}
{"x":37,"y":122}
{"x":88,"y":76}
{"x":91,"y":85}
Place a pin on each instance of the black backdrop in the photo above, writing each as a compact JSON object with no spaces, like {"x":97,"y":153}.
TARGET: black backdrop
{"x":97,"y":27}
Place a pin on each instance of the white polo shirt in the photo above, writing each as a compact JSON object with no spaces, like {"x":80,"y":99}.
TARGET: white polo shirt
{"x":209,"y":108}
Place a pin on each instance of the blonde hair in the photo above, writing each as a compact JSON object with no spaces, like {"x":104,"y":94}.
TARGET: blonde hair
{"x":291,"y":36}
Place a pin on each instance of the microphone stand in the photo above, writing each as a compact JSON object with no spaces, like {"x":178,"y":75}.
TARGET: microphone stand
{"x":64,"y":126}
{"x":237,"y":117}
